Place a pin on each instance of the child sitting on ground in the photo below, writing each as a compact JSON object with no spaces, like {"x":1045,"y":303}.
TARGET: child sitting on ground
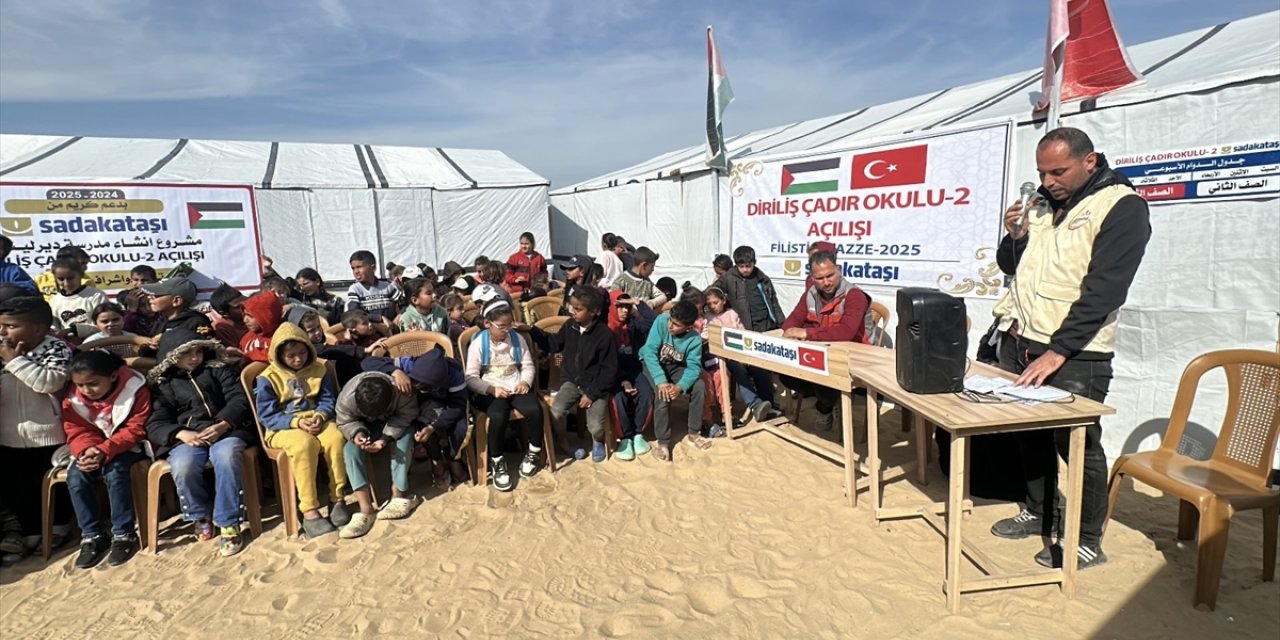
{"x":373,"y":416}
{"x":104,"y":415}
{"x":500,"y":375}
{"x":296,"y":405}
{"x":262,"y":312}
{"x":672,"y":359}
{"x":200,"y":415}
{"x":379,"y":298}
{"x":423,"y":313}
{"x":74,"y":301}
{"x":32,"y":379}
{"x":108,"y":317}
{"x":441,"y":387}
{"x":589,"y":370}
{"x":634,"y":397}
{"x":360,"y":331}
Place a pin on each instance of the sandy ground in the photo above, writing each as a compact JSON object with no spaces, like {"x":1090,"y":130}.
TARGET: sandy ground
{"x":750,"y":539}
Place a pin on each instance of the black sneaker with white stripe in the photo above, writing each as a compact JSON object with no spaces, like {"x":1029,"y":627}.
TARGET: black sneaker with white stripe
{"x":1023,"y":525}
{"x":501,"y":477}
{"x":1087,"y":557}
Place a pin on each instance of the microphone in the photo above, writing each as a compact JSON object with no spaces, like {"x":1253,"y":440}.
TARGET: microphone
{"x":1028,"y":191}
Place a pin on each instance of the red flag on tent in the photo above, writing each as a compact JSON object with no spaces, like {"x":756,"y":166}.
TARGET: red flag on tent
{"x":1083,"y":56}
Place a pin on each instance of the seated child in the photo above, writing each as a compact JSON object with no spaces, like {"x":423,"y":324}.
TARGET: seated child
{"x":138,"y":316}
{"x":423,"y":314}
{"x":360,"y":331}
{"x":755,"y":385}
{"x":104,"y":415}
{"x":227,"y":315}
{"x":200,"y":414}
{"x":47,"y":282}
{"x":280,"y":287}
{"x":172,"y":299}
{"x":672,"y":359}
{"x":108,"y":317}
{"x":441,"y":387}
{"x":456,"y":308}
{"x":589,"y":370}
{"x":262,"y":313}
{"x":500,"y":375}
{"x":373,"y":416}
{"x":296,"y":404}
{"x":634,"y":397}
{"x":32,"y":378}
{"x":380,"y":299}
{"x":74,"y":301}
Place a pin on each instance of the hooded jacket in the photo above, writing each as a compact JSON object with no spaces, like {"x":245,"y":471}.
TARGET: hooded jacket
{"x":628,"y":337}
{"x":186,"y":319}
{"x":740,"y":289}
{"x":284,"y":396}
{"x":351,"y":421}
{"x":115,"y":423}
{"x":590,"y":355}
{"x":197,"y":399}
{"x":266,"y":310}
{"x":840,"y":319}
{"x":442,"y":394}
{"x":521,"y":268}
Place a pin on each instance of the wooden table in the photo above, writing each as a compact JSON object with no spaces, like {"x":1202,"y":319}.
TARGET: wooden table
{"x":740,"y":346}
{"x":875,"y":369}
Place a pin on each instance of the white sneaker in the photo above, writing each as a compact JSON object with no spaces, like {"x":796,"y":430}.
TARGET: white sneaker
{"x":360,"y":524}
{"x":398,"y":508}
{"x":529,"y":465}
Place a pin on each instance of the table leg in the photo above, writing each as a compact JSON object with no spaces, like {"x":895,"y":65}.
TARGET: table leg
{"x":955,"y":506}
{"x":921,"y":428}
{"x":873,"y":448}
{"x":850,"y":460}
{"x":1074,"y":494}
{"x":725,"y":407}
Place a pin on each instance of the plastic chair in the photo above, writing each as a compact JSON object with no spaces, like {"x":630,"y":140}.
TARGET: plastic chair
{"x":480,"y":440}
{"x":1235,"y":478}
{"x":415,"y":343}
{"x":542,"y":308}
{"x":57,"y":476}
{"x":470,"y":312}
{"x":252,"y":496}
{"x":557,"y":293}
{"x":124,"y":346}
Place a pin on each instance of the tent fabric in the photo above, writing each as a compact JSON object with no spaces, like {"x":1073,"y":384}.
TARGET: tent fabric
{"x":319,"y":203}
{"x":1210,"y":278}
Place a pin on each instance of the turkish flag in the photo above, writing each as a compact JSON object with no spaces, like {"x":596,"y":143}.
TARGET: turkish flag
{"x":812,"y":358}
{"x":891,"y":168}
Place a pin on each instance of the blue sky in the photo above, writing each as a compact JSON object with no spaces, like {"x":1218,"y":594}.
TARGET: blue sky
{"x":571,"y":89}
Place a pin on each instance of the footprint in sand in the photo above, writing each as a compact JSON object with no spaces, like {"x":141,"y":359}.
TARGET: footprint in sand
{"x":501,"y":499}
{"x":747,"y":587}
{"x":665,"y":581}
{"x":557,"y":613}
{"x":642,"y":619}
{"x":439,"y":620}
{"x":709,"y":597}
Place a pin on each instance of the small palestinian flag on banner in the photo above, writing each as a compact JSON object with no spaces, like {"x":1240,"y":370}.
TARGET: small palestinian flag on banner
{"x":818,"y":176}
{"x":732,"y":340}
{"x":215,"y":215}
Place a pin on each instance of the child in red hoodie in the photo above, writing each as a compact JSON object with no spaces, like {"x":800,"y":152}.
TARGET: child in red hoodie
{"x":103,"y":414}
{"x":262,"y":313}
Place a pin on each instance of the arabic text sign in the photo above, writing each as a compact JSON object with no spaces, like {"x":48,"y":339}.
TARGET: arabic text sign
{"x":913,"y":212}
{"x":803,"y":356}
{"x":1247,"y":170}
{"x":212,"y":227}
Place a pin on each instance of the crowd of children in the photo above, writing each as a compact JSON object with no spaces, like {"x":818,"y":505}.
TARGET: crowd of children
{"x":627,"y":351}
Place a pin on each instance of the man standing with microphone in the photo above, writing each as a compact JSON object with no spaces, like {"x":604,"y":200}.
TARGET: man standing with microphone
{"x":1073,"y":264}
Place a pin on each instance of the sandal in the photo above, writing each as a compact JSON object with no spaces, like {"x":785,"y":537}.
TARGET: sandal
{"x":698,"y":442}
{"x":662,"y":452}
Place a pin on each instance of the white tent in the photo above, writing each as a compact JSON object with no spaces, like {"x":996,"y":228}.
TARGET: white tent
{"x":318,"y":203}
{"x":1211,"y":276}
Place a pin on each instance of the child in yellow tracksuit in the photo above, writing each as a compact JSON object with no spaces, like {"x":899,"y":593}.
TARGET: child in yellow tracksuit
{"x":295,"y":400}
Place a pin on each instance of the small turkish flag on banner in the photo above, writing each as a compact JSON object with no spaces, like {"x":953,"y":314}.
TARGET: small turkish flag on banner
{"x":812,"y":358}
{"x":891,"y":168}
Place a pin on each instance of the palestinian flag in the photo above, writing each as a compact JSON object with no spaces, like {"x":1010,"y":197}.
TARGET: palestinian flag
{"x":719,"y":95}
{"x":732,"y":340}
{"x":818,"y":176}
{"x":215,"y":215}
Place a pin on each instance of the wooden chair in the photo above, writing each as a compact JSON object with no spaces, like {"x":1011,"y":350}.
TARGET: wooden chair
{"x":252,"y":496}
{"x":57,"y":476}
{"x":415,"y":343}
{"x":542,"y":308}
{"x":880,"y":316}
{"x":557,"y":293}
{"x":470,"y":311}
{"x":480,"y":438}
{"x":124,"y":346}
{"x":1235,"y":478}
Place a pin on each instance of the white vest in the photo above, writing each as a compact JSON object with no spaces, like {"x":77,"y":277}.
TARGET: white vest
{"x":1051,"y":272}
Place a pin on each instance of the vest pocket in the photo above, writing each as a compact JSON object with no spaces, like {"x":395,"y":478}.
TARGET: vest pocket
{"x":1053,"y":302}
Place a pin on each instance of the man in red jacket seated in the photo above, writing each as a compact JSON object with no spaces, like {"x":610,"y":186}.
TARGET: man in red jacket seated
{"x":831,"y":310}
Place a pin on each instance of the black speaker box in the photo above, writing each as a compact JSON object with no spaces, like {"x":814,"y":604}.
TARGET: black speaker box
{"x":932,"y":341}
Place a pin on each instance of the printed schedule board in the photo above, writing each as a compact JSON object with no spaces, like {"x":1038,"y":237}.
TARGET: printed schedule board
{"x":921,"y":212}
{"x":214,"y":228}
{"x":1216,"y":172}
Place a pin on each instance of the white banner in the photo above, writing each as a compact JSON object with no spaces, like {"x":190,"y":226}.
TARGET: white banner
{"x":919,"y":212}
{"x":212,"y":227}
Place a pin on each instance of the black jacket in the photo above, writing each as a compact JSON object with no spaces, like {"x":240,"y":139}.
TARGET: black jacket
{"x":186,"y":319}
{"x":739,"y":290}
{"x":197,"y":399}
{"x":1117,"y":253}
{"x":590,"y":358}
